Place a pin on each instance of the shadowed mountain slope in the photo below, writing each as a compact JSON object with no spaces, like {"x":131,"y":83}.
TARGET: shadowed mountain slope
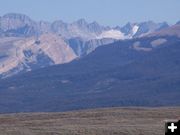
{"x":139,"y":72}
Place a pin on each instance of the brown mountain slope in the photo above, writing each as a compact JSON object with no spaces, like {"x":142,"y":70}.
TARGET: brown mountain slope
{"x":170,"y":31}
{"x":18,"y":54}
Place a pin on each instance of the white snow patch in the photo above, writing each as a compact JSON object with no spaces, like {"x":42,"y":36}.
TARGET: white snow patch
{"x":135,"y":29}
{"x":115,"y":34}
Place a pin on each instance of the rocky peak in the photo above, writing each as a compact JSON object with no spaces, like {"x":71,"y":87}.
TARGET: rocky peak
{"x":95,"y":27}
{"x":18,"y":16}
{"x":17,"y":24}
{"x":81,"y":23}
{"x":127,"y":29}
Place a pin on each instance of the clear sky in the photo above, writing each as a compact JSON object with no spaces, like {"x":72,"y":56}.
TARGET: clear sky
{"x":106,"y":12}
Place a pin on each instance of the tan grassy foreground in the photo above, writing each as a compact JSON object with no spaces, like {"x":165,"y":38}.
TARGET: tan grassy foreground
{"x":110,"y":121}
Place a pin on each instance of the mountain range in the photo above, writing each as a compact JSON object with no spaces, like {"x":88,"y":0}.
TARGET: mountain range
{"x":26,"y":44}
{"x":58,"y":66}
{"x":13,"y":24}
{"x":142,"y":71}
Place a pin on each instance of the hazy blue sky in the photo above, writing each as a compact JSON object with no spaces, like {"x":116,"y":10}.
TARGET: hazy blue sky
{"x":107,"y":12}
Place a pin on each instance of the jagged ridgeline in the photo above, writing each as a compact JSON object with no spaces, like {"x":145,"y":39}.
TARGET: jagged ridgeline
{"x":26,"y":44}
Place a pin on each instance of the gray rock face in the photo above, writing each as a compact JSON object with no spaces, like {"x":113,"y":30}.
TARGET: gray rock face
{"x":43,"y":27}
{"x":17,"y":25}
{"x":14,"y":21}
{"x":82,"y":48}
{"x":80,"y":28}
{"x":127,"y":29}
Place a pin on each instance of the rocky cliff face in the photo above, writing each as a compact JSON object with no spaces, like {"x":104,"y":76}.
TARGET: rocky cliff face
{"x":19,"y":54}
{"x":82,"y":47}
{"x":17,"y":25}
{"x":80,"y":29}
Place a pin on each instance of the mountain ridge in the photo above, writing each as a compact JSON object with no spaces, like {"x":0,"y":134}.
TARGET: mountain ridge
{"x":92,"y":27}
{"x":83,"y":37}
